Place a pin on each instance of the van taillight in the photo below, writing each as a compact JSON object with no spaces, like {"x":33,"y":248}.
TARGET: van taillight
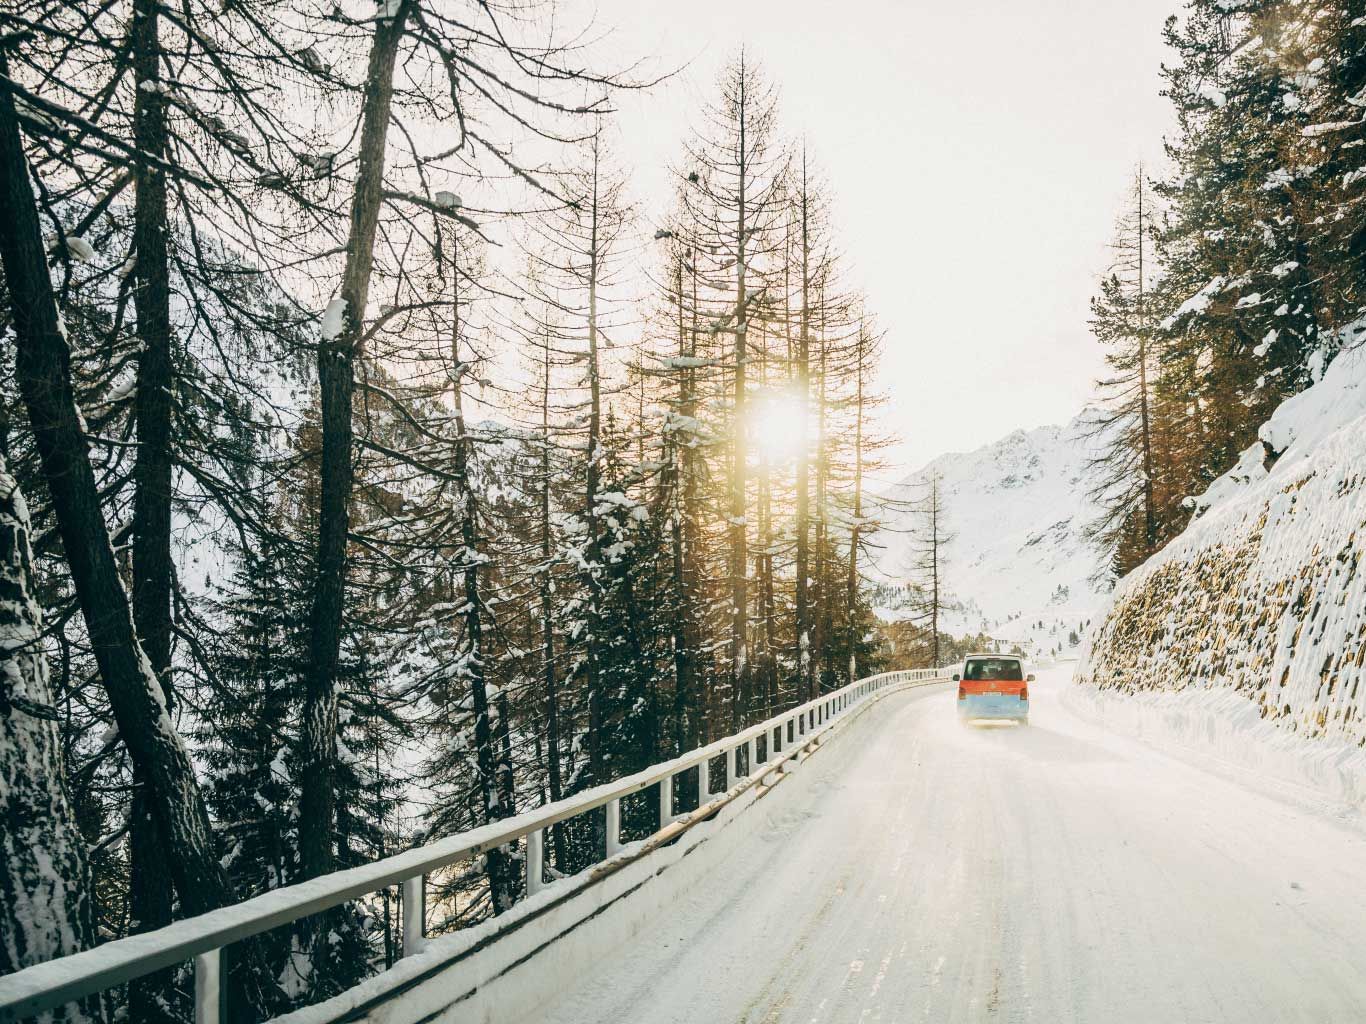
{"x":1024,"y":693}
{"x":962,"y":693}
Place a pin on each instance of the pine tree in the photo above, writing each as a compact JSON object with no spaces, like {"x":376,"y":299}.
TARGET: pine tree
{"x":734,"y":206}
{"x":929,"y":569}
{"x":1124,"y":473}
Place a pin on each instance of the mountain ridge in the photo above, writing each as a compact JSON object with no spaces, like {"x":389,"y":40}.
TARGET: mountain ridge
{"x":1019,"y":566}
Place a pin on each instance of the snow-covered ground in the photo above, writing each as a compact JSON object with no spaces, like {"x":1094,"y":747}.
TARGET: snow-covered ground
{"x":1018,"y":566}
{"x":1222,"y":731}
{"x":1057,"y":872}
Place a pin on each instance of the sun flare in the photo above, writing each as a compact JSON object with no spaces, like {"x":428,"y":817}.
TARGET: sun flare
{"x":776,"y":425}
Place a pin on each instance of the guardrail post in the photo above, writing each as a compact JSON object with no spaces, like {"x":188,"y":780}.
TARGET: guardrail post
{"x":414,"y":914}
{"x":666,"y":800}
{"x":732,"y":767}
{"x":703,"y":782}
{"x":535,"y":862}
{"x":209,"y":990}
{"x":753,"y":754}
{"x":613,"y":828}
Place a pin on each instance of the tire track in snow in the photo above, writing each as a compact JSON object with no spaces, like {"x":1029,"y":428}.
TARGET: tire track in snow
{"x":1052,"y":873}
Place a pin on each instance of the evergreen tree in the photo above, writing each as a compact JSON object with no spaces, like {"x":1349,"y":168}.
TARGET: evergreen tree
{"x":736,"y":170}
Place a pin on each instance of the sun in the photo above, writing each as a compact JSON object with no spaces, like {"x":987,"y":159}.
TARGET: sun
{"x":776,"y":429}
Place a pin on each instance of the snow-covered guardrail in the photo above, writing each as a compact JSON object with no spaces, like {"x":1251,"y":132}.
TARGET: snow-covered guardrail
{"x":203,"y":938}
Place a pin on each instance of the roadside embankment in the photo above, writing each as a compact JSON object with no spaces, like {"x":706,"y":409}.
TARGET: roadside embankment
{"x":1245,"y":638}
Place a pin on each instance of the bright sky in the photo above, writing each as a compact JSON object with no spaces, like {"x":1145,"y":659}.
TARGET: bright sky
{"x":976,"y":151}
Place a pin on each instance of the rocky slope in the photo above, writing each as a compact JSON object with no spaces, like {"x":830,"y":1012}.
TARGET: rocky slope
{"x":1254,"y":619}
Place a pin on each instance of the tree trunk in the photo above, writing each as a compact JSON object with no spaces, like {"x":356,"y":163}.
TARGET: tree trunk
{"x":691,"y":538}
{"x":802,"y":598}
{"x":822,"y":591}
{"x":739,"y":554}
{"x":495,"y":770}
{"x":336,"y":381}
{"x":552,"y":695}
{"x":934,"y":572}
{"x":593,"y":547}
{"x":149,"y":897}
{"x":851,"y":583}
{"x":763,"y":568}
{"x":45,"y":907}
{"x":689,"y":702}
{"x":1149,"y":506}
{"x":43,"y":370}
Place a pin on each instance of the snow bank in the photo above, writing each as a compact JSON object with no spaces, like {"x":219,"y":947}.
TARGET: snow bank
{"x":1220,"y":730}
{"x":1246,"y":636}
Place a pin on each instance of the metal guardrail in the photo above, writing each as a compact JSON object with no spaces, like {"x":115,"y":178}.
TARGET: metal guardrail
{"x":202,"y":939}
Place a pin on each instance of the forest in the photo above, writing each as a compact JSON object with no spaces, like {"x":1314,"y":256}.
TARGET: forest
{"x":1239,"y":266}
{"x":374,"y":468}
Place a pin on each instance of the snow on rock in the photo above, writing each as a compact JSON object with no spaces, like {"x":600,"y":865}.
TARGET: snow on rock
{"x":1017,"y":510}
{"x":1251,"y":625}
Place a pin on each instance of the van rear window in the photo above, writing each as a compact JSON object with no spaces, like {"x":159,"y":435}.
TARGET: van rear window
{"x":993,"y":668}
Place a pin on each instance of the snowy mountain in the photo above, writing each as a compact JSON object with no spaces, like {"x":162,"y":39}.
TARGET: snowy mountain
{"x":1016,"y":510}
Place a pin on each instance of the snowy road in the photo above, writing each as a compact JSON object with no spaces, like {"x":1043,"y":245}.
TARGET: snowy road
{"x":1049,"y":873}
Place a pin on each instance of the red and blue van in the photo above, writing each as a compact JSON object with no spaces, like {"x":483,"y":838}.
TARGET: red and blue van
{"x":993,"y":686}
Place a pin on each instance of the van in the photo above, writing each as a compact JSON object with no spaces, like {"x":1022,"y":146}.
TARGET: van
{"x":993,"y":686}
